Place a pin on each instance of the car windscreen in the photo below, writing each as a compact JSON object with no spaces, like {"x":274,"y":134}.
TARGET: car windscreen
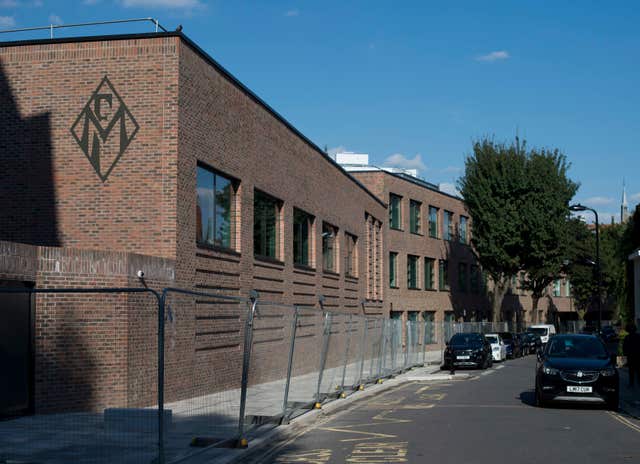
{"x":576,"y":347}
{"x":491,"y":338}
{"x":538,"y":330}
{"x":465,"y":339}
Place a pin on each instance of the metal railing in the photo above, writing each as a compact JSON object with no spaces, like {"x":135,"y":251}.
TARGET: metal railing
{"x":52,"y":27}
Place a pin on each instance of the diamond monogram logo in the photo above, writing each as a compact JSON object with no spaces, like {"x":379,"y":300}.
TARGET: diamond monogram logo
{"x":104,"y":128}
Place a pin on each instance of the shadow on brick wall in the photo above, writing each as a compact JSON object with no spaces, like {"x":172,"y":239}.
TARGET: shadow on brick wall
{"x":27,"y":195}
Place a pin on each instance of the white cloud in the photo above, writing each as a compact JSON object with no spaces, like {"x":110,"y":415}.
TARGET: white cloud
{"x":599,"y":201}
{"x":494,"y":56}
{"x":174,"y":4}
{"x":333,"y":151}
{"x":398,"y":160}
{"x":55,"y":19}
{"x":8,"y":3}
{"x":7,"y":21}
{"x":635,"y":197}
{"x":291,"y":13}
{"x":449,"y":188}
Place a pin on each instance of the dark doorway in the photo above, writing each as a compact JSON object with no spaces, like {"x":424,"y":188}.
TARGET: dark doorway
{"x":16,"y":350}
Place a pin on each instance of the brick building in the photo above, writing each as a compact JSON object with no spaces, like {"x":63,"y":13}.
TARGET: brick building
{"x":143,"y":146}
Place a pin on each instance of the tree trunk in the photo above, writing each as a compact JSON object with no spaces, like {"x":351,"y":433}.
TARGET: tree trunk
{"x":534,"y":308}
{"x":499,"y":291}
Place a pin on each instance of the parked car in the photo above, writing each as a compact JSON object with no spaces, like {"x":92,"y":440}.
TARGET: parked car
{"x":577,"y":368}
{"x":512,"y":343}
{"x":544,"y":331}
{"x":468,"y":350}
{"x":535,"y":344}
{"x":523,"y":338}
{"x":498,"y":347}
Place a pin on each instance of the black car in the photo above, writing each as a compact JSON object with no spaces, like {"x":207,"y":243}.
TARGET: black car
{"x":577,"y":368}
{"x":524,"y":343}
{"x":535,"y":343}
{"x":468,"y":350}
{"x":512,"y":343}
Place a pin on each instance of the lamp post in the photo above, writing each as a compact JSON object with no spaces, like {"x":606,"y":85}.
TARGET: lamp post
{"x":579,"y":207}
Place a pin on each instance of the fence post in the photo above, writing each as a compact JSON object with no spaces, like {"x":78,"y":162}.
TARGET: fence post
{"x":408,"y":343}
{"x":246,"y":359}
{"x":323,"y":354}
{"x":346,"y":355}
{"x":294,"y":328}
{"x":161,"y":306}
{"x":362,"y":351}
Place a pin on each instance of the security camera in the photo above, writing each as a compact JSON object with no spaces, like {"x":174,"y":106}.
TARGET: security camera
{"x":140,"y":274}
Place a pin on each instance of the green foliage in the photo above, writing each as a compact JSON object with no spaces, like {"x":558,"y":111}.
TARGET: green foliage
{"x":518,"y":199}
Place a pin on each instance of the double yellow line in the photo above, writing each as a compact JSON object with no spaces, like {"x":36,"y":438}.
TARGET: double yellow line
{"x":625,"y":421}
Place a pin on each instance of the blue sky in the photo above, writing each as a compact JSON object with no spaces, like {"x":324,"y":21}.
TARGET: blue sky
{"x":416,"y":82}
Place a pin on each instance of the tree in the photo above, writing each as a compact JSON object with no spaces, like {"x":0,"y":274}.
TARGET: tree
{"x":493,"y":187}
{"x":545,"y":229}
{"x":517,"y":200}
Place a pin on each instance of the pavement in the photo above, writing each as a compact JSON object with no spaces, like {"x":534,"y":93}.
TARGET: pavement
{"x":486,"y":417}
{"x":629,"y":397}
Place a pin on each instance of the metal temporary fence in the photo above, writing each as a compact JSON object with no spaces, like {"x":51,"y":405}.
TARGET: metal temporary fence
{"x":131,"y":375}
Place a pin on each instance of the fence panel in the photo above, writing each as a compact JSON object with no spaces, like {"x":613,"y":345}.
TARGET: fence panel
{"x":372,"y":360}
{"x":95,"y":369}
{"x":355,"y":353}
{"x":335,"y":348}
{"x":306,"y":359}
{"x":203,"y":331}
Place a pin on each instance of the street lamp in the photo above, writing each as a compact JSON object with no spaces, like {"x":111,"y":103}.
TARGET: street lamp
{"x":580,"y":207}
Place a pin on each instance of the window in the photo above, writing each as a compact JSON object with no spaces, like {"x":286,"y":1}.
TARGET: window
{"x":463,"y":229}
{"x":433,"y":222}
{"x":266,"y":219}
{"x":351,"y":258}
{"x":329,"y":247}
{"x":412,"y":271}
{"x":393,"y":269}
{"x":567,"y":288}
{"x":523,"y":282}
{"x":429,"y":264}
{"x":475,"y":279}
{"x":214,"y":199}
{"x":395,"y":218}
{"x":443,"y":275}
{"x":448,"y":225}
{"x":302,"y":226}
{"x":556,"y":287}
{"x":462,"y":277}
{"x":414,"y":217}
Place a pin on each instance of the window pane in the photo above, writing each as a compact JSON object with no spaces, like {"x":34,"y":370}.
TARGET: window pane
{"x":433,"y":222}
{"x":204,"y":206}
{"x":393,"y":281}
{"x":394,"y":211}
{"x":351,"y":257}
{"x":443,"y":275}
{"x":223,"y":192}
{"x":414,"y":216}
{"x":428,"y":273}
{"x":463,"y":229}
{"x":328,"y":247}
{"x":301,"y":224}
{"x":412,"y":271}
{"x":265,"y":212}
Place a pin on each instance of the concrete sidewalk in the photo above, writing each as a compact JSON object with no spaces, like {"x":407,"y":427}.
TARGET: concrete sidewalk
{"x":629,"y":397}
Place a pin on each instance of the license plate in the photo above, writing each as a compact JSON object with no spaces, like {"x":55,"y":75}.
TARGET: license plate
{"x":462,"y":357}
{"x":572,"y":389}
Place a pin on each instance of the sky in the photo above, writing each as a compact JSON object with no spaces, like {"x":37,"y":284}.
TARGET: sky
{"x":413,"y":84}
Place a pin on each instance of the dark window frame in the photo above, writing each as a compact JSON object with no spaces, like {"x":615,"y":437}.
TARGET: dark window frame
{"x":393,"y":269}
{"x":429,"y":269}
{"x":434,"y":225}
{"x":413,"y":275}
{"x":263,"y":253}
{"x":298,"y":232}
{"x":415,"y":217}
{"x":395,"y":223}
{"x":333,"y":266}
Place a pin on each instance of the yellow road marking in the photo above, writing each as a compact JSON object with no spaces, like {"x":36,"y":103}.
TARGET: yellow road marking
{"x":371,"y":435}
{"x":317,"y":456}
{"x":423,"y":389}
{"x":433,"y":396}
{"x":389,"y":420}
{"x":625,"y":421}
{"x":379,"y":453}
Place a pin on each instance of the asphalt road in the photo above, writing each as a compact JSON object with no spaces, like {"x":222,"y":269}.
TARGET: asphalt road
{"x":489,"y":418}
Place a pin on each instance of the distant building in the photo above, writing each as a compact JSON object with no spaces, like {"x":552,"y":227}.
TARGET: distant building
{"x":624,"y":207}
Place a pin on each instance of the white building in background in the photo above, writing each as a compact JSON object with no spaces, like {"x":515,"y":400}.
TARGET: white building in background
{"x":635,"y":257}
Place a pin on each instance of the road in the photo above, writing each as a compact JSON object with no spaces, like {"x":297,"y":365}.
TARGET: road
{"x":489,"y":418}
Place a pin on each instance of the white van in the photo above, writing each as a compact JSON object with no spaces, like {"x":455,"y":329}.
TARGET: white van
{"x":545,"y":331}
